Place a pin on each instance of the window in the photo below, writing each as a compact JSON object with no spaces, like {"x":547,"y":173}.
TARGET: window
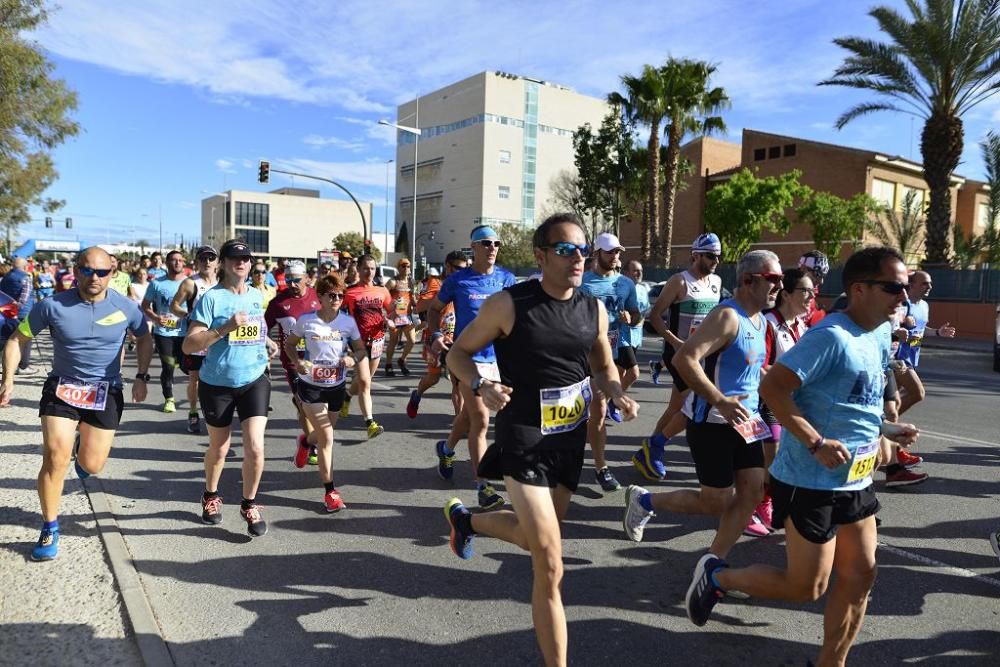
{"x":504,"y":157}
{"x":789,"y":150}
{"x":884,"y":192}
{"x":249,"y":214}
{"x":984,"y":215}
{"x":503,"y":191}
{"x":257,"y":239}
{"x":759,"y":154}
{"x":773,"y":152}
{"x":918,"y":196}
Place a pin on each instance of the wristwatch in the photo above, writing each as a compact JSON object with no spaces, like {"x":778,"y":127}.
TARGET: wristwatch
{"x":142,"y":376}
{"x":476,"y":385}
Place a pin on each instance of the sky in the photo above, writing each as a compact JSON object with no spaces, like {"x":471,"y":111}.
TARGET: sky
{"x":181,"y":100}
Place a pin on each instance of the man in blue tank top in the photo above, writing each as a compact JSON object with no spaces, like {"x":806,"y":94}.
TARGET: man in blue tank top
{"x":725,"y":431}
{"x":827,"y":392}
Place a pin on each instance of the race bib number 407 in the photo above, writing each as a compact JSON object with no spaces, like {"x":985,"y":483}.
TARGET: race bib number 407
{"x":565,"y":408}
{"x":83,"y":395}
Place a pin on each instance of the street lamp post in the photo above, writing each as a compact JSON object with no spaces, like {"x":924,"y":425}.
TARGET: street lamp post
{"x":416,"y":151}
{"x":385,"y":227}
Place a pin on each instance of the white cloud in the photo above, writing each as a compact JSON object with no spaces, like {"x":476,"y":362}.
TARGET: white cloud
{"x":186,"y":204}
{"x":369,"y":173}
{"x":225,"y":166}
{"x":317,"y":141}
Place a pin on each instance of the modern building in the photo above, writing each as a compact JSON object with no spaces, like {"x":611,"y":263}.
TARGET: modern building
{"x":489,"y":147}
{"x":839,"y":170}
{"x":287,"y":222}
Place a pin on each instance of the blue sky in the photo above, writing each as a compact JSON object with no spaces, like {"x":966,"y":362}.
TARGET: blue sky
{"x":181,"y":98}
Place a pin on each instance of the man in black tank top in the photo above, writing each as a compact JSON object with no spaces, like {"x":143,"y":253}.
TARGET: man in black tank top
{"x":549,"y":338}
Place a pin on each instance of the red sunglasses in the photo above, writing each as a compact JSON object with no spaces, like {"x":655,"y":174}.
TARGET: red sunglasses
{"x":773,"y":278}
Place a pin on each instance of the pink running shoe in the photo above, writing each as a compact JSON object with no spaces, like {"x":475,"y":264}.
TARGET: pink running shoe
{"x":755,"y":528}
{"x":765,"y":512}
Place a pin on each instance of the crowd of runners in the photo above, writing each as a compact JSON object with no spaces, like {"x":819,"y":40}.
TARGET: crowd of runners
{"x":788,"y":411}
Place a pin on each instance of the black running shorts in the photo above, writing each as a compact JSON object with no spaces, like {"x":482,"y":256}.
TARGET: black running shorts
{"x":817,"y":513}
{"x":219,"y":403}
{"x":108,"y":419}
{"x":668,"y":362}
{"x":556,"y":460}
{"x":719,"y":451}
{"x":332,"y":397}
{"x":626,"y":358}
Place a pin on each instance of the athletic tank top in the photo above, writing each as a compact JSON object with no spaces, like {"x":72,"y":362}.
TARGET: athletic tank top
{"x":687,"y":314}
{"x":735,"y":369}
{"x":545,"y":359}
{"x":401,"y":297}
{"x":201,"y":286}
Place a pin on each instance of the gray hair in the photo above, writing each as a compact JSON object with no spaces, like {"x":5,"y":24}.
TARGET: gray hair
{"x":754,"y":261}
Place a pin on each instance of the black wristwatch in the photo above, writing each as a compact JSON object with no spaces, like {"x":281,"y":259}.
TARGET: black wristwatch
{"x":477,"y":385}
{"x":142,"y":376}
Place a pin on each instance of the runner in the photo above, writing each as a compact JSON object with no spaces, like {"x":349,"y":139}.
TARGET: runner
{"x":45,"y":281}
{"x":258,"y":276}
{"x":816,"y":265}
{"x":679,"y":310}
{"x":916,"y":322}
{"x":168,"y":329}
{"x":369,"y":304}
{"x":84,"y":389}
{"x":120,"y":280}
{"x":228,"y":321}
{"x":296,"y":301}
{"x":627,"y":361}
{"x":401,"y":289}
{"x":827,"y":393}
{"x":188,"y":294}
{"x":617,"y":293}
{"x":551,"y":343}
{"x":329,"y":335}
{"x":455,"y":261}
{"x":20,"y":286}
{"x":467,"y":289}
{"x":725,"y":429}
{"x":156,"y":270}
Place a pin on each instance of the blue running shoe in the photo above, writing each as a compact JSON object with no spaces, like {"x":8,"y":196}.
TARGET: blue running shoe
{"x":48,"y":545}
{"x":647,"y":461}
{"x":613,"y":413}
{"x":446,"y":461}
{"x":655,"y":368}
{"x":703,"y":594}
{"x":488,"y":497}
{"x":461,"y":541}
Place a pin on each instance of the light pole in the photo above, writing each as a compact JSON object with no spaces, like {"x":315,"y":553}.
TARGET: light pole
{"x":386,"y":225}
{"x":416,"y":151}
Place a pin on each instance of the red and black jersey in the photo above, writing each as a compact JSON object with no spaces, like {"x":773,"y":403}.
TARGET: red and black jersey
{"x":368,"y":304}
{"x":284,"y":310}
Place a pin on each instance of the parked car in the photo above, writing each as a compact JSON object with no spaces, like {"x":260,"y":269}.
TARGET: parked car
{"x":996,"y":343}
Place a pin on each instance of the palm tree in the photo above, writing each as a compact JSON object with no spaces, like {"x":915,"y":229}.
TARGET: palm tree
{"x":938,"y":65}
{"x":692,"y":110}
{"x":991,"y":235}
{"x":903,"y":231}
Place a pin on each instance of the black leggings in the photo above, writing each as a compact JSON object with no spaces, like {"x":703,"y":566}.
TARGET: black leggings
{"x":169,"y":350}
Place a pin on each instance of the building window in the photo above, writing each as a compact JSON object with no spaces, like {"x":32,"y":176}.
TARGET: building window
{"x":789,"y":150}
{"x":257,"y":239}
{"x":759,"y":154}
{"x":503,"y":191}
{"x":984,"y":215}
{"x":884,"y":192}
{"x":249,"y":214}
{"x":773,"y":152}
{"x":918,"y":197}
{"x":504,"y":157}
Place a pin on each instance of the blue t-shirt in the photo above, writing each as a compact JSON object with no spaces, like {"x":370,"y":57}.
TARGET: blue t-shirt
{"x":155,"y":274}
{"x":633,"y":336}
{"x":618,"y":294}
{"x":909,"y":352}
{"x":160,"y":294}
{"x":18,"y":285}
{"x":87,"y":337}
{"x":46,"y":284}
{"x":842,"y":368}
{"x":232,"y":362}
{"x":468,"y":289}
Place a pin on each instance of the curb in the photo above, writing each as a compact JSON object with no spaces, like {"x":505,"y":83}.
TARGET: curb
{"x":148,"y":637}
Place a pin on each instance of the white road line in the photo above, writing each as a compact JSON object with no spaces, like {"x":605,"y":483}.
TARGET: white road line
{"x":949,"y":569}
{"x":950,"y":437}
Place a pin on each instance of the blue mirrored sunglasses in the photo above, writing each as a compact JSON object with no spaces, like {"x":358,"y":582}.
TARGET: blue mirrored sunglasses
{"x":567,"y":249}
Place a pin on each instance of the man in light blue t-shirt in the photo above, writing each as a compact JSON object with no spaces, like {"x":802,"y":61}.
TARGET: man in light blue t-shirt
{"x":827,"y":393}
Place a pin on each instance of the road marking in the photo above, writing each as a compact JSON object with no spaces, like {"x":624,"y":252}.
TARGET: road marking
{"x":949,"y":437}
{"x":949,"y":569}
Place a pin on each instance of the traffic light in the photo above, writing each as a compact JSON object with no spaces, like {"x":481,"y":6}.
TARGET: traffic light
{"x":48,"y":221}
{"x":69,"y":223}
{"x":265,"y":171}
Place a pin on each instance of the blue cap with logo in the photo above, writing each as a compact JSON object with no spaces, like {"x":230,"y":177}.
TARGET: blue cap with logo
{"x":707,"y":243}
{"x":483,"y":232}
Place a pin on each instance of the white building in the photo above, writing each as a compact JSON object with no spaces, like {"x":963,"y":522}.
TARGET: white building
{"x":489,"y":148}
{"x":287,"y":222}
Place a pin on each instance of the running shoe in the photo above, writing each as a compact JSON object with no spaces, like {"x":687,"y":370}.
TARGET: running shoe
{"x":613,"y":413}
{"x":313,"y":458}
{"x":414,"y":405}
{"x":904,"y":477}
{"x":995,"y":543}
{"x":655,"y":368}
{"x":333,"y":501}
{"x":607,"y":480}
{"x":27,"y":370}
{"x":461,"y":541}
{"x":636,"y":516}
{"x":388,"y":370}
{"x":647,"y":461}
{"x":256,"y":526}
{"x":48,"y":545}
{"x":906,"y":459}
{"x":702,"y":594}
{"x":345,"y":407}
{"x":301,"y":451}
{"x":488,"y":497}
{"x":194,"y":423}
{"x":765,"y":512}
{"x":375,"y":430}
{"x":211,"y":510}
{"x":402,"y":368}
{"x":446,"y":462}
{"x":131,"y":346}
{"x":169,"y":405}
{"x":756,"y":527}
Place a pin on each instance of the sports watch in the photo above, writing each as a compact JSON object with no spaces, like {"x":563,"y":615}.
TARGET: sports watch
{"x":476,"y":385}
{"x":142,"y":376}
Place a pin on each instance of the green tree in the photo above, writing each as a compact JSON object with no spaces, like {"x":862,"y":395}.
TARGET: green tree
{"x":34,"y":116}
{"x":740,"y":209}
{"x":967,"y":249}
{"x":834,"y":220}
{"x":354,"y":244}
{"x":904,"y":230}
{"x":604,"y":161}
{"x":991,"y":235}
{"x":516,"y":249}
{"x":937,"y":65}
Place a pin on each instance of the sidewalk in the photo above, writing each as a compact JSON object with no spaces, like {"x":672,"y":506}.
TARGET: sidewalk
{"x":960,"y":344}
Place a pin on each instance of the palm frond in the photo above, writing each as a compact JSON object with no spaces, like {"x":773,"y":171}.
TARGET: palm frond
{"x":863,"y":110}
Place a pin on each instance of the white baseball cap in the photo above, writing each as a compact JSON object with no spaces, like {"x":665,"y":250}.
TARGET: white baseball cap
{"x":608,"y":242}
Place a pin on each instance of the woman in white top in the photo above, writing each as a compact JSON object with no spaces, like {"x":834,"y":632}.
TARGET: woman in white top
{"x":330,"y":335}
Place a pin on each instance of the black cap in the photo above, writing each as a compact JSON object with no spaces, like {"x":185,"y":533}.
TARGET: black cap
{"x":205,"y":250}
{"x":235,"y":249}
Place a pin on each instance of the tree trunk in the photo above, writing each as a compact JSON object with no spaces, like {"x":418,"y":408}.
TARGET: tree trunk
{"x":941,"y":147}
{"x":651,"y":232}
{"x":670,"y":189}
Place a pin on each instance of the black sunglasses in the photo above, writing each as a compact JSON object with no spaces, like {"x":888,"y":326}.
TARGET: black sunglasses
{"x":889,"y":286}
{"x":487,"y":243}
{"x":87,"y":272}
{"x":711,"y":255}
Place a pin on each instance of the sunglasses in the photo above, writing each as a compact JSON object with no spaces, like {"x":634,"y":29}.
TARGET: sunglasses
{"x":567,"y":249}
{"x":773,"y":278}
{"x":487,"y":243}
{"x":711,"y":255}
{"x":333,"y":296}
{"x":293,"y":281}
{"x":889,"y":286}
{"x":207,"y":258}
{"x":87,"y":272}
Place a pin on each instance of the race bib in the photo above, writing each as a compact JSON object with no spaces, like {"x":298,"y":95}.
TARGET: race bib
{"x":377,"y":346}
{"x":171,"y":322}
{"x":301,"y":345}
{"x":753,"y":429}
{"x":916,"y":338}
{"x":401,"y":320}
{"x":565,"y":408}
{"x":83,"y":395}
{"x":327,"y":373}
{"x":863,"y":463}
{"x":251,"y":333}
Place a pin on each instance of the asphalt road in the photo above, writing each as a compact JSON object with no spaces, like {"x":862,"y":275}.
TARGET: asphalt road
{"x":377,"y":584}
